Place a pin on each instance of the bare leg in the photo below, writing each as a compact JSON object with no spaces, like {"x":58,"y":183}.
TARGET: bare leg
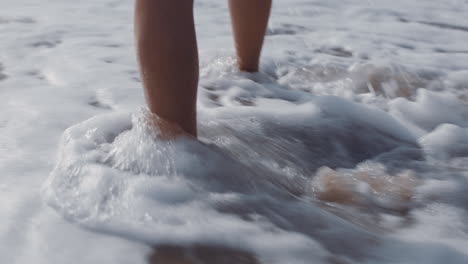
{"x":168,"y":58}
{"x":249,"y":23}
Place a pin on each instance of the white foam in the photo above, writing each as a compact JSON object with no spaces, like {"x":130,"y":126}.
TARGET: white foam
{"x":115,"y":175}
{"x":373,"y":90}
{"x":134,"y":185}
{"x":430,"y":110}
{"x":446,"y":141}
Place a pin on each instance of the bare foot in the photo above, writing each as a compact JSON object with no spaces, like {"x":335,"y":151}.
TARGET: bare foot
{"x":165,"y":129}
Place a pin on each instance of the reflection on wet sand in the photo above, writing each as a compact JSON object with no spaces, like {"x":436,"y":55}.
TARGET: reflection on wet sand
{"x":200,"y":254}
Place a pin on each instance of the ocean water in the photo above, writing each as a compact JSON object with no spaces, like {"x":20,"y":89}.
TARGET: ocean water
{"x":350,"y":145}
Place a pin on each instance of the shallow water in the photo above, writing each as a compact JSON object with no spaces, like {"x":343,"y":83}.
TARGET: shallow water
{"x":350,"y":146}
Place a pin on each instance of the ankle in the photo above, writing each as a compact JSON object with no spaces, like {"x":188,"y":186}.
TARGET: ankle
{"x":248,"y":67}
